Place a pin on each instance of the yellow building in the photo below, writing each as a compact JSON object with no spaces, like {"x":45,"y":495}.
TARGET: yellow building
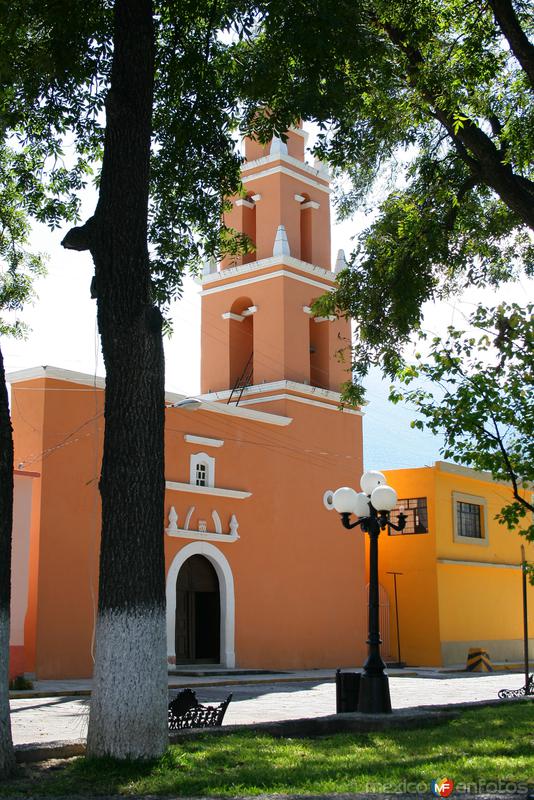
{"x":460,"y":584}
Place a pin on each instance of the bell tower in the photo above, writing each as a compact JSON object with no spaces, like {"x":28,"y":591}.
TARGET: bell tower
{"x":257,"y":328}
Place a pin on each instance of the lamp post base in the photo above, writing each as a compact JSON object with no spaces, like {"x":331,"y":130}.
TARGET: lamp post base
{"x":374,"y":694}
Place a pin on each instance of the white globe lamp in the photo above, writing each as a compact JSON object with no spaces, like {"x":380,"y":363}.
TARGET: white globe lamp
{"x":344,"y":500}
{"x":361,"y":505}
{"x":384,"y":498}
{"x":370,"y":480}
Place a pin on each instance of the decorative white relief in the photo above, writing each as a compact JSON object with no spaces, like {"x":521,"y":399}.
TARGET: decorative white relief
{"x":281,"y":244}
{"x":173,"y":520}
{"x":310,"y":204}
{"x":188,"y":518}
{"x":216,"y":522}
{"x":234,"y":525}
{"x":202,"y":531}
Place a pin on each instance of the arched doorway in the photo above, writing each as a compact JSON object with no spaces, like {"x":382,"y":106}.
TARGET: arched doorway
{"x":198,"y":613}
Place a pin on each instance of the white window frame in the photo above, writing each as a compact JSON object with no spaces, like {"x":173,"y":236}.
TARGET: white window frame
{"x":475,"y":500}
{"x":208,"y":462}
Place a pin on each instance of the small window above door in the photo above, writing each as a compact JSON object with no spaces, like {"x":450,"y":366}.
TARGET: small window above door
{"x":202,"y":470}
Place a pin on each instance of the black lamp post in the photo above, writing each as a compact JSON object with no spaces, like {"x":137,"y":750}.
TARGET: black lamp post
{"x":372,"y":507}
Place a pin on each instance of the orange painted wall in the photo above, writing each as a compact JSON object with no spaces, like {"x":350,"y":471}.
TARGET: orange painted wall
{"x":297,"y":574}
{"x":63,"y":443}
{"x":417,"y":589}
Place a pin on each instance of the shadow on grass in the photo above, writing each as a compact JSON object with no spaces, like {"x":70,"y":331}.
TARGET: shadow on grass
{"x":490,"y":744}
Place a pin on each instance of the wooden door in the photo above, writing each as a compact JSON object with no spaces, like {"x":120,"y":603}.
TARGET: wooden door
{"x":197,"y":628}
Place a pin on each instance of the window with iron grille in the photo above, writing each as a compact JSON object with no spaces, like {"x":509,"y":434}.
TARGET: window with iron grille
{"x":469,"y":520}
{"x":416,"y":513}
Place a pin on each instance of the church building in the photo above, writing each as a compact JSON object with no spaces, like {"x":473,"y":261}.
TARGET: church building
{"x":259,"y":571}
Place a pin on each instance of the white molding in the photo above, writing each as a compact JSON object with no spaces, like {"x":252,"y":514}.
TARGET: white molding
{"x":299,"y":198}
{"x":459,"y":562}
{"x":305,"y":400}
{"x":310,"y":204}
{"x":266,"y":263}
{"x":208,"y":536}
{"x":215,"y":491}
{"x":245,"y":203}
{"x":227,"y":598}
{"x":294,"y":386}
{"x":306,"y":309}
{"x":244,"y":413}
{"x":291,"y":162}
{"x":204,"y":440}
{"x":259,"y":278}
{"x":231,"y":315}
{"x":475,"y":500}
{"x":256,"y":197}
{"x":248,"y":312}
{"x":331,"y":318}
{"x":285,"y":171}
{"x":56,"y":373}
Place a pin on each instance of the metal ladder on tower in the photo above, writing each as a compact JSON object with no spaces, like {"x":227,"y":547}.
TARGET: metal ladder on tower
{"x":243,"y":381}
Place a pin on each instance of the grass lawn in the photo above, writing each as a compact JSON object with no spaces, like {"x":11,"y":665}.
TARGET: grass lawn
{"x":488,"y":744}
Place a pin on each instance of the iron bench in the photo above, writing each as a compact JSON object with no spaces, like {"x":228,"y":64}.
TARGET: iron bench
{"x":186,"y":712}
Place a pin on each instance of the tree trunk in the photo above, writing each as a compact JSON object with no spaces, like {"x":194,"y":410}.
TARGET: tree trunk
{"x":128,"y":712}
{"x":7,"y":755}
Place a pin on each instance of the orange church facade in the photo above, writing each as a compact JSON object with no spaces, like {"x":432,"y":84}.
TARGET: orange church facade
{"x":259,"y":572}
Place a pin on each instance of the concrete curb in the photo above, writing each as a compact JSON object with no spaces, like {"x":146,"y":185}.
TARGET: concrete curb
{"x":27,"y":753}
{"x":303,"y":727}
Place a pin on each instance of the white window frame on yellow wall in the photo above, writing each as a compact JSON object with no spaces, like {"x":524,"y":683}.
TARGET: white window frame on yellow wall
{"x":474,"y":500}
{"x":206,"y":461}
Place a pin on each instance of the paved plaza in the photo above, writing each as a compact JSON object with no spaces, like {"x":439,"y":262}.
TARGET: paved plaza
{"x":38,"y":720}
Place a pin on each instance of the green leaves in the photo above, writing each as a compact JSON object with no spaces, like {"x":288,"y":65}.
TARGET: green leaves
{"x":481,"y":397}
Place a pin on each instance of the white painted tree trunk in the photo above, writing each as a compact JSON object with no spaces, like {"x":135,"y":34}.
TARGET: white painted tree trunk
{"x":129,"y":685}
{"x":7,"y":760}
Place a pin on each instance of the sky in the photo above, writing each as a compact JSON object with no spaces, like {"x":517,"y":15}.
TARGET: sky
{"x":63,"y":333}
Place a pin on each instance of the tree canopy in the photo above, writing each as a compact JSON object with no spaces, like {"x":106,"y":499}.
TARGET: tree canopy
{"x":426,"y":116}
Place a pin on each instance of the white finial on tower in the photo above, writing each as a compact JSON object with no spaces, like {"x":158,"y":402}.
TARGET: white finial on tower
{"x":278,"y":147}
{"x":322,"y":168}
{"x":341,"y":261}
{"x":281,"y":244}
{"x":209,"y":266}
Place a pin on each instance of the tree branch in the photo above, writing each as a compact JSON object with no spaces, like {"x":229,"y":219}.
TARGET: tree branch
{"x":509,"y":24}
{"x":80,"y":238}
{"x":470,"y":140}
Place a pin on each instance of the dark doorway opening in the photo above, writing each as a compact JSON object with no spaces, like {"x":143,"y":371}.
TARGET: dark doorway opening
{"x":198,"y":613}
